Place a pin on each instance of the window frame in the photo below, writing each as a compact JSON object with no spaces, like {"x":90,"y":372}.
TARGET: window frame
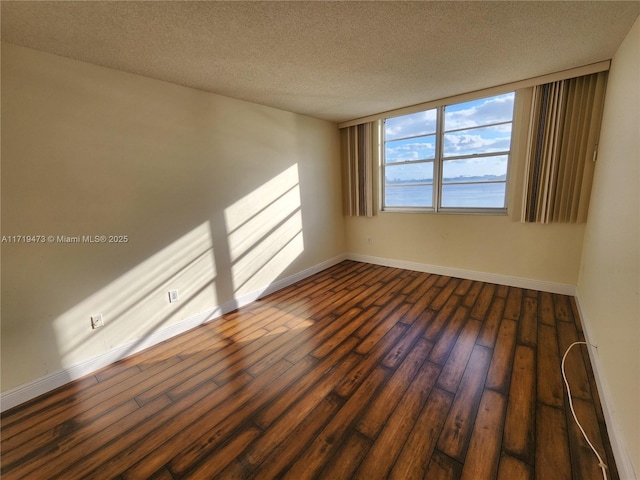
{"x":439,"y":160}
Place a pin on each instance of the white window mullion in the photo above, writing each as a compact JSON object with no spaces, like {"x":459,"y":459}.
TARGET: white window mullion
{"x":437,"y":164}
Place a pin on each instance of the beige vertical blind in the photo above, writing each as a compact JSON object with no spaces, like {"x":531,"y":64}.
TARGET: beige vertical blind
{"x":357,"y":162}
{"x":563,"y":138}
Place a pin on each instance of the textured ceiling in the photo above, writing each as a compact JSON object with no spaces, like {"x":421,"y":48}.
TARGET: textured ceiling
{"x":331,"y":60}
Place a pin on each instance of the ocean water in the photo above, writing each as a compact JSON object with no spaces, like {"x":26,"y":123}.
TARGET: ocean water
{"x":487,"y":195}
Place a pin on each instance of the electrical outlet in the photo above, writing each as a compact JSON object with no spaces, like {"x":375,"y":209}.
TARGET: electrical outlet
{"x":173,"y":296}
{"x":97,"y":321}
{"x":370,"y":240}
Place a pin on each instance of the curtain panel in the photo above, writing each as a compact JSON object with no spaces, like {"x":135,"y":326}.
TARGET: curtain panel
{"x":563,"y":139}
{"x":357,"y":164}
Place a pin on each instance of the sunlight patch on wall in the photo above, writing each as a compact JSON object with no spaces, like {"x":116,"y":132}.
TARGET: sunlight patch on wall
{"x":136,"y":304}
{"x":264,"y":231}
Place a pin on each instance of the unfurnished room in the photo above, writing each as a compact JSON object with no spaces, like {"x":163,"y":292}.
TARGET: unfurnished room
{"x":320,"y":240}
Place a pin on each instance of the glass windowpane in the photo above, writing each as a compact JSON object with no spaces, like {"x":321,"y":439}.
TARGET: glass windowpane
{"x":409,"y":196}
{"x":482,"y":169}
{"x":414,"y":124}
{"x":477,"y":130}
{"x":478,"y":140}
{"x":474,"y":195}
{"x":409,"y":173}
{"x":421,"y":148}
{"x":484,"y":111}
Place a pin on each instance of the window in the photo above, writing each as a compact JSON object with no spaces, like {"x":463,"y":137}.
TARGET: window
{"x":451,"y":158}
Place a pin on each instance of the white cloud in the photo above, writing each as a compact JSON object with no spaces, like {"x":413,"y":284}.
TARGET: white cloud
{"x":420,"y":123}
{"x":468,"y":144}
{"x":407,"y":151}
{"x":478,"y":140}
{"x":479,"y":112}
{"x":475,"y":167}
{"x":465,"y":115}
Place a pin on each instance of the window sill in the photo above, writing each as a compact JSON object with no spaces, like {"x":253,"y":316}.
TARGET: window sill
{"x":447,"y":211}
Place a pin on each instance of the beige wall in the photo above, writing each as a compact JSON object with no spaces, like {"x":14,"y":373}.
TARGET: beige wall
{"x":487,"y":244}
{"x":609,"y":283}
{"x":218,"y":198}
{"x":498,"y":245}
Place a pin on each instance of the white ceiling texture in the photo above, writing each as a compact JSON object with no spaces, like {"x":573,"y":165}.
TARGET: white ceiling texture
{"x":331,"y":60}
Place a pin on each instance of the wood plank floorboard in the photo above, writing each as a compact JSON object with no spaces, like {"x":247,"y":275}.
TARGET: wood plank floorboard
{"x":358,"y":372}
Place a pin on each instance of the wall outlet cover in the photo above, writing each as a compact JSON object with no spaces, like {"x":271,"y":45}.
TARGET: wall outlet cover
{"x":97,"y":321}
{"x":173,"y":296}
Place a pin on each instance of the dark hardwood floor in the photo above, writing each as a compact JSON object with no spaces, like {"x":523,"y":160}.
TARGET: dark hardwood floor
{"x":360,"y":371}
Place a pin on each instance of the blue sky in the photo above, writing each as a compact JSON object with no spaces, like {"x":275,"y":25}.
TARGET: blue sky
{"x":466,"y":116}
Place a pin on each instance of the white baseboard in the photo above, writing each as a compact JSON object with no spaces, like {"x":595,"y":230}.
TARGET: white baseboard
{"x":46,"y":383}
{"x":560,"y":288}
{"x":618,"y":442}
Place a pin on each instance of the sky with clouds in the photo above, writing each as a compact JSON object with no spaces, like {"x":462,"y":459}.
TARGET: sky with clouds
{"x":464,"y":135}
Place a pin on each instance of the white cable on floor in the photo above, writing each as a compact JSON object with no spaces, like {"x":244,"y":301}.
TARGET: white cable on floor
{"x":601,"y":463}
